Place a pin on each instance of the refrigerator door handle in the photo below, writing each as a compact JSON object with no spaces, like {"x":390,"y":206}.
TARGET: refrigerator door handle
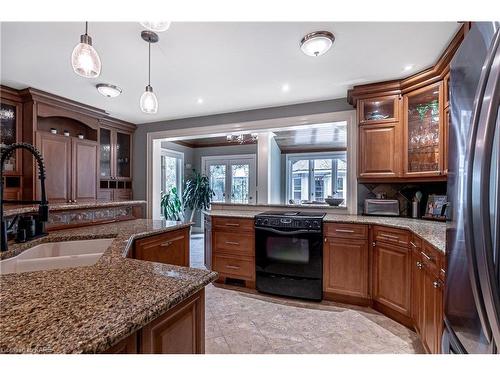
{"x":471,"y":198}
{"x":484,"y":245}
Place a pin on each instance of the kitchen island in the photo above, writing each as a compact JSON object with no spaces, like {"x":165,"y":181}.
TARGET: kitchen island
{"x":117,"y":305}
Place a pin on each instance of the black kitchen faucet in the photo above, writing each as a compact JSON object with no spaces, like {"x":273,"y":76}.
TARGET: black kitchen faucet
{"x":43,"y":209}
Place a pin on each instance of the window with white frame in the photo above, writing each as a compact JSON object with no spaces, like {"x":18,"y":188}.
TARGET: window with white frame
{"x":312,"y":177}
{"x":171,"y":168}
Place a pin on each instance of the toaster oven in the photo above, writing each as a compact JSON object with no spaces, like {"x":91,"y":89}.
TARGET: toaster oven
{"x":382,"y":207}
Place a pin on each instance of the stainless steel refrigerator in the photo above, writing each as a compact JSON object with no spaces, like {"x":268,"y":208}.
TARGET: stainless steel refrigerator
{"x":472,"y":291}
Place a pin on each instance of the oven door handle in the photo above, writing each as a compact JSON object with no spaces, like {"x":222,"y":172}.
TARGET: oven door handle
{"x":299,"y":231}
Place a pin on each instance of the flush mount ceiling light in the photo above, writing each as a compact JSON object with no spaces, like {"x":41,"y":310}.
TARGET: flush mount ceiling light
{"x":110,"y":91}
{"x":317,"y":43}
{"x":156,"y":26}
{"x":84,"y":59}
{"x":149,"y":102}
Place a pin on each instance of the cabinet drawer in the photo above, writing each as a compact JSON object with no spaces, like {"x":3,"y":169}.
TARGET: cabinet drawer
{"x":358,"y":231}
{"x":170,"y":248}
{"x":233,"y":224}
{"x":234,"y":243}
{"x":415,"y":243}
{"x":431,"y":258}
{"x":241,"y":268}
{"x":391,"y":235}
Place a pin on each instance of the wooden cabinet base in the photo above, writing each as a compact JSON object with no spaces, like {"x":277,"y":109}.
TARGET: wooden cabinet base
{"x":342,"y":298}
{"x":180,"y":330}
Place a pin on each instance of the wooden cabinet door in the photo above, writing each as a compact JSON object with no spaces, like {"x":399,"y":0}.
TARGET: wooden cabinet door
{"x":180,"y":331}
{"x":84,"y":170}
{"x":207,"y":225}
{"x":432,"y":313}
{"x":126,"y":346}
{"x":417,"y":281}
{"x":56,"y":152}
{"x":170,"y":247}
{"x":391,"y":277}
{"x":345,"y":267}
{"x":423,"y":132}
{"x":379,"y":151}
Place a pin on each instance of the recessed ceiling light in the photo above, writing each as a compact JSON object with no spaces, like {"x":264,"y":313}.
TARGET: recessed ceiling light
{"x":408,"y":67}
{"x":200,"y":101}
{"x":110,"y":91}
{"x":156,"y":26}
{"x":285,"y":87}
{"x":317,"y":43}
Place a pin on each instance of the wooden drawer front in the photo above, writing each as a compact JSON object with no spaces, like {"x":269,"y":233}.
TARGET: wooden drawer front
{"x":391,"y":235}
{"x":416,"y":243}
{"x":233,"y":224}
{"x":357,"y":231}
{"x":234,"y":243}
{"x":240,"y":268}
{"x":170,"y":248}
{"x":431,"y":258}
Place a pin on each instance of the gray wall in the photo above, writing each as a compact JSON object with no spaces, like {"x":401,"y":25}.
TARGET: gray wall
{"x":140,"y":136}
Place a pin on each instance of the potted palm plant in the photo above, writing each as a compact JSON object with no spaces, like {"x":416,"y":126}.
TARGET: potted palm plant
{"x":171,"y":205}
{"x":197,"y":193}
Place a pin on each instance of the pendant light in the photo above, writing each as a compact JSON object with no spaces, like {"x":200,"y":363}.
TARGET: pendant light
{"x":156,"y":26}
{"x":84,"y":59}
{"x":149,"y":102}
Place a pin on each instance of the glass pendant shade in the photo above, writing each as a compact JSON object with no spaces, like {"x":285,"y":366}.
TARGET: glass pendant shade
{"x":85,"y":60}
{"x":156,"y":26}
{"x":149,"y":102}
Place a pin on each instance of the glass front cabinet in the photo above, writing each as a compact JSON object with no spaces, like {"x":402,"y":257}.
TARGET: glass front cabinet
{"x":423,"y":141}
{"x":378,"y":110}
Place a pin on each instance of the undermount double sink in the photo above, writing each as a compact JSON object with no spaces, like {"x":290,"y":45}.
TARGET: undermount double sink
{"x":56,"y":255}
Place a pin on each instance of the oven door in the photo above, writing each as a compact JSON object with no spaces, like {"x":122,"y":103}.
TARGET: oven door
{"x":289,"y":253}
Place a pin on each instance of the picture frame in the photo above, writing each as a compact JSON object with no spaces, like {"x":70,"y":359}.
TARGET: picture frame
{"x":436,"y":207}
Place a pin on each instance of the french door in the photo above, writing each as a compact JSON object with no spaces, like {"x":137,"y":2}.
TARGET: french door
{"x":232,"y":179}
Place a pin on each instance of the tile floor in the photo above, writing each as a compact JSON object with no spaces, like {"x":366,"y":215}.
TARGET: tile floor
{"x":242,"y":322}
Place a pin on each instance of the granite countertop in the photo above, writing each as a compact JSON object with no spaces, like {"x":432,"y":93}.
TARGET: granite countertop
{"x":10,"y":210}
{"x":89,"y":309}
{"x":431,"y":231}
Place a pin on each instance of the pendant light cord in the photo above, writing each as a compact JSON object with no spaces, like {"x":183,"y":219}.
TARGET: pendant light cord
{"x":149,"y":64}
{"x":86,"y":27}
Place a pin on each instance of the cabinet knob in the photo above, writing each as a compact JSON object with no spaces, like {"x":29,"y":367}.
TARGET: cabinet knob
{"x":374,"y":244}
{"x":420,"y":265}
{"x":436,"y":284}
{"x":326,"y":240}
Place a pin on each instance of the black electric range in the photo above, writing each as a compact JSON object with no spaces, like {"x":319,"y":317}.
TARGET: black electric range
{"x":289,"y":253}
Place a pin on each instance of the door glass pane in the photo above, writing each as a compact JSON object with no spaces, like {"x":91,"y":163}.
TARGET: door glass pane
{"x":8,"y":133}
{"x":122,"y":155}
{"x":240,"y":175}
{"x":378,"y":109}
{"x":423,"y":131}
{"x":169,"y":173}
{"x":217,"y":175}
{"x":105,"y":147}
{"x":322,"y":169}
{"x":300,"y":180}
